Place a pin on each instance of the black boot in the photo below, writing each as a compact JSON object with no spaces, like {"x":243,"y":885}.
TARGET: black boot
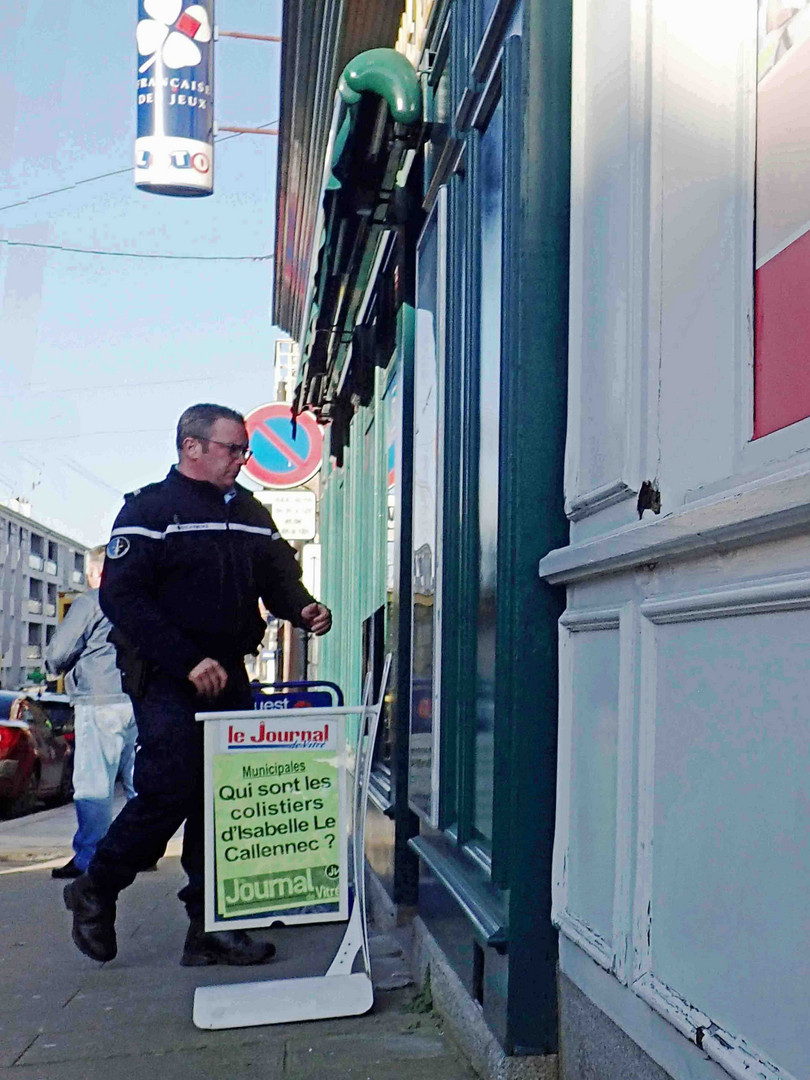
{"x":223,"y":947}
{"x":69,"y":870}
{"x":93,"y":919}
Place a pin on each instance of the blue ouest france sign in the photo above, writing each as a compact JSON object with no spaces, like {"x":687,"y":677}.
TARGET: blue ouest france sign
{"x":174,"y":148}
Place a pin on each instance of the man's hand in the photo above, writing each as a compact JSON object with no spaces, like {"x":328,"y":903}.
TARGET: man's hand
{"x":209,"y":677}
{"x":317,"y":618}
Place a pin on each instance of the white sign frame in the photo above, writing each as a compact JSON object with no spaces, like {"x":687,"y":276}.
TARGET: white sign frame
{"x":340,"y":991}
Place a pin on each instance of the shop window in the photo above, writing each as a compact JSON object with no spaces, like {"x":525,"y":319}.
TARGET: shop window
{"x":486,"y":8}
{"x":487,"y":18}
{"x":782,"y":214}
{"x":438,"y":106}
{"x":427,"y":513}
{"x":373,"y":660}
{"x":490,"y":209}
{"x":392,"y":468}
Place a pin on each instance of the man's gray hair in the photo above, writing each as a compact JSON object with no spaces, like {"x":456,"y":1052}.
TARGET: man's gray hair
{"x":95,"y":556}
{"x":197,"y":421}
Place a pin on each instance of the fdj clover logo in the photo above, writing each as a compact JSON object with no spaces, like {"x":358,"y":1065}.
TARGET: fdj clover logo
{"x":117,"y":547}
{"x":172,"y":34}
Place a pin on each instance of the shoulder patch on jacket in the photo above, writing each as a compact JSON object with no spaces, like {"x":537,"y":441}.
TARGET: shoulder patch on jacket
{"x":141,"y":491}
{"x":117,"y":547}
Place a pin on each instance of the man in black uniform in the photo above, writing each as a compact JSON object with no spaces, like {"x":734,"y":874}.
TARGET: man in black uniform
{"x":187,"y":562}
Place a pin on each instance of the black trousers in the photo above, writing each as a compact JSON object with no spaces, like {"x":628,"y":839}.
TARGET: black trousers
{"x":169,"y":786}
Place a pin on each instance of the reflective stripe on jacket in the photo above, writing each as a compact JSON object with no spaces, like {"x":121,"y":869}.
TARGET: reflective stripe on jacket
{"x":186,"y":567}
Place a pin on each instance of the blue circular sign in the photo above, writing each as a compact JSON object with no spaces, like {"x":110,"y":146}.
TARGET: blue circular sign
{"x":285,"y":455}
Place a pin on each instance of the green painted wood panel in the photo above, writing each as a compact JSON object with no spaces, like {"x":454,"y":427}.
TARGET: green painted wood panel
{"x":353,"y":537}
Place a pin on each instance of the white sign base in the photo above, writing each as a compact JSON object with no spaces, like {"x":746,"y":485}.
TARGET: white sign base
{"x":339,"y":992}
{"x":285,"y":1001}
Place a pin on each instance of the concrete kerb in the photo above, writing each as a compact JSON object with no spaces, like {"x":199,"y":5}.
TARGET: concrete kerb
{"x":462,"y":1019}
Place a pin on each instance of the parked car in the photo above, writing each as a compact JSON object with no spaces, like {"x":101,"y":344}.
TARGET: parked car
{"x":61,"y":715}
{"x":59,"y":710}
{"x":36,"y":761}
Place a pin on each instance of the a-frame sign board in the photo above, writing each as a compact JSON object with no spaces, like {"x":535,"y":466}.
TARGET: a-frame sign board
{"x":340,"y":991}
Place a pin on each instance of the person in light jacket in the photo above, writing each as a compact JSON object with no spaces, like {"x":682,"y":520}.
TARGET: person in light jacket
{"x":105,"y":728}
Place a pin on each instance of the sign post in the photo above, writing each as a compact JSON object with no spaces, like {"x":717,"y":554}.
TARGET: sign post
{"x":279,"y":826}
{"x":174,"y":147}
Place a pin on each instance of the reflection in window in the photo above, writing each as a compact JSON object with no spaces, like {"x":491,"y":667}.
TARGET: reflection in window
{"x":425,"y":518}
{"x":373,"y":659}
{"x":391,"y":406}
{"x":489,"y":396}
{"x":392,"y":423}
{"x":439,"y":107}
{"x":487,"y":7}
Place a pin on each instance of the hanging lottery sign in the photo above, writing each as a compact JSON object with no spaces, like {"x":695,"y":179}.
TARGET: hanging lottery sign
{"x":174,"y":148}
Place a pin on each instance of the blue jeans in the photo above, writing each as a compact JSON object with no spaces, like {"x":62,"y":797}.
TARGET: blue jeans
{"x":105,"y":749}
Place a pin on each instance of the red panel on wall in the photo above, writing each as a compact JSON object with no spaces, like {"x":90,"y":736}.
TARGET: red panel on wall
{"x":782,"y":339}
{"x":782,"y":279}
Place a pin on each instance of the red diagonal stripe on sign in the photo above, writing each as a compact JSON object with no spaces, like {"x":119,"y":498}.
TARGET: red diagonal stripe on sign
{"x":282,"y":447}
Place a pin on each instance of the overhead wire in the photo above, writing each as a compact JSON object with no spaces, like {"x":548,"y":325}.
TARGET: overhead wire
{"x":115,"y":172}
{"x":83,"y":435}
{"x":129,"y":254}
{"x":53,"y":390}
{"x":137,"y":254}
{"x":72,"y":464}
{"x":64,"y":461}
{"x":121,"y":254}
{"x":88,"y":474}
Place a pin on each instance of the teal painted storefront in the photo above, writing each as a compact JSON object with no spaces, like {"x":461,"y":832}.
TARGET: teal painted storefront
{"x":438,"y":354}
{"x":365,"y":506}
{"x":353,"y":538}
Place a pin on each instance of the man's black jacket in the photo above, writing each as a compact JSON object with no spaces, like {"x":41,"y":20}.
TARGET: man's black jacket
{"x":185,"y":569}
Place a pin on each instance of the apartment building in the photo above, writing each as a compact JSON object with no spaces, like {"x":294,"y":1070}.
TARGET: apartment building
{"x":36,"y":565}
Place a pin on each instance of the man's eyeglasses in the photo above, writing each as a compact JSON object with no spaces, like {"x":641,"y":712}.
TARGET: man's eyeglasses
{"x":234,"y":449}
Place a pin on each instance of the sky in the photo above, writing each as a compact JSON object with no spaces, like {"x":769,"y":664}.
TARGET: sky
{"x":100,"y":354}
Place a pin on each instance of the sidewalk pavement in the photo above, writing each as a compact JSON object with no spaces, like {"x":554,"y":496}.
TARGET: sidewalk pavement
{"x":64,"y":1017}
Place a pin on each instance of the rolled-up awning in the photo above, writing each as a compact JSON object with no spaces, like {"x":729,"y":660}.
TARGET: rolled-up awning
{"x":376,"y":121}
{"x":319,"y":39}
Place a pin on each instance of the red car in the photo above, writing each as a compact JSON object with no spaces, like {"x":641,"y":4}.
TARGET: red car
{"x":36,"y":763}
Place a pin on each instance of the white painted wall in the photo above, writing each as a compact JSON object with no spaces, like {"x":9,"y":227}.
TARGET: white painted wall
{"x":681,"y":859}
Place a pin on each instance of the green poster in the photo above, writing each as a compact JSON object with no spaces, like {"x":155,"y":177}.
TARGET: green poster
{"x":277,"y":842}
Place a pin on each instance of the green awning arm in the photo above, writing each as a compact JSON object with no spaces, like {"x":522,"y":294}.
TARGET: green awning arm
{"x":388,"y":73}
{"x":340,"y":141}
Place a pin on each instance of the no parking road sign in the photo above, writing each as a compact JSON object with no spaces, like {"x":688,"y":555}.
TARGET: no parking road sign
{"x":283,"y":456}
